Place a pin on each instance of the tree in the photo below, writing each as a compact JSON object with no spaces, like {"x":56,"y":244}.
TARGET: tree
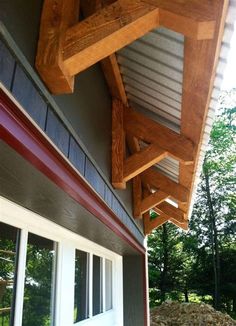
{"x":205,"y":255}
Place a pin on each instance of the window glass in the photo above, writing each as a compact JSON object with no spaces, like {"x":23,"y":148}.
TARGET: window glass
{"x":9,"y":241}
{"x":39,"y":282}
{"x":97,"y":285}
{"x":81,"y":289}
{"x":108,"y":284}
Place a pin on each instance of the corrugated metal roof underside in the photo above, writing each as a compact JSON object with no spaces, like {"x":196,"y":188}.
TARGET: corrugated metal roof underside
{"x":152,"y":71}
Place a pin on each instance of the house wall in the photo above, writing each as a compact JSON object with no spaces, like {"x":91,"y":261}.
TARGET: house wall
{"x":73,"y":122}
{"x":86,"y":112}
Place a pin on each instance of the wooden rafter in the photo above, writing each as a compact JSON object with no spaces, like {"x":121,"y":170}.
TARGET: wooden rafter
{"x":109,"y":65}
{"x":67,"y":48}
{"x":102,"y":34}
{"x":197,"y":89}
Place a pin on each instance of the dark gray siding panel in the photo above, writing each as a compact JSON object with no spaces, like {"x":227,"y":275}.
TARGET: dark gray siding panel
{"x":77,"y":156}
{"x":57,"y":132}
{"x":94,"y":178}
{"x":133,"y":288}
{"x":7,"y":64}
{"x":28,"y":96}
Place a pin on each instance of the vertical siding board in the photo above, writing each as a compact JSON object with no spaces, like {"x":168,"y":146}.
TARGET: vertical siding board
{"x":57,"y":132}
{"x":94,"y":178}
{"x":29,"y":97}
{"x":7,"y":64}
{"x":108,"y":196}
{"x":76,"y":156}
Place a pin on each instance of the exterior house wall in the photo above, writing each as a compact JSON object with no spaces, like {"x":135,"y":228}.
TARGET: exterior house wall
{"x":73,"y":123}
{"x":86,"y":113}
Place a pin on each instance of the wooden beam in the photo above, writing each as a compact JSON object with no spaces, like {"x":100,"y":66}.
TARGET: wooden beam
{"x":152,"y":200}
{"x":137,"y":197}
{"x":183,"y":225}
{"x":197,"y":88}
{"x":150,"y":225}
{"x":194,"y":19}
{"x":113,"y":78}
{"x":142,"y":160}
{"x":56,"y":17}
{"x":159,"y":181}
{"x":172,"y":211}
{"x":109,"y":65}
{"x":118,"y":145}
{"x":177,"y":146}
{"x":107,"y":31}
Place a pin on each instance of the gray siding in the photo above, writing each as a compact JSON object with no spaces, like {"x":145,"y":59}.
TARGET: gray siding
{"x":133,"y":291}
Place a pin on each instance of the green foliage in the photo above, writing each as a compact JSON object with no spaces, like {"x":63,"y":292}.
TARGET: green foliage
{"x":188,"y":269}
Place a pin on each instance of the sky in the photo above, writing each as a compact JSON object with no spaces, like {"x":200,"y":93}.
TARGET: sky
{"x":229,"y":81}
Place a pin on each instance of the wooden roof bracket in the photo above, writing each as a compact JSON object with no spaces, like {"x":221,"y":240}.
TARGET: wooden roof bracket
{"x":162,"y":142}
{"x":67,"y":47}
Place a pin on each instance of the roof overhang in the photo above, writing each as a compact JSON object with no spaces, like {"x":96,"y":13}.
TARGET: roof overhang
{"x":160,"y":59}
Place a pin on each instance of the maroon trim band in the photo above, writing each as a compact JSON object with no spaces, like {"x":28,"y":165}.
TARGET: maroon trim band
{"x":21,"y":134}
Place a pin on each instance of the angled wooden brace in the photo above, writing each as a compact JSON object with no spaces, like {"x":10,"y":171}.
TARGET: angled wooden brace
{"x":165,"y":187}
{"x":109,"y":64}
{"x":126,"y":169}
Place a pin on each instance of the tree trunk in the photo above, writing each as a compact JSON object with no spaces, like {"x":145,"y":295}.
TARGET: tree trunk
{"x":186,"y":295}
{"x":214,"y":243}
{"x":165,"y":263}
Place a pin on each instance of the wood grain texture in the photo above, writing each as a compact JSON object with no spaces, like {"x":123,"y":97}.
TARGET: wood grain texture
{"x":113,"y":78}
{"x":153,"y":200}
{"x":197,"y":88}
{"x":118,"y":145}
{"x":137,"y":197}
{"x":192,"y":18}
{"x":178,"y":146}
{"x":170,"y":210}
{"x":109,"y":65}
{"x":107,"y":31}
{"x":142,"y":160}
{"x":184,"y":225}
{"x":56,"y":17}
{"x":155,"y":223}
{"x":158,"y":180}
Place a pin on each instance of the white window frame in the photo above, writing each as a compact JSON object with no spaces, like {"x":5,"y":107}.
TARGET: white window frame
{"x":67,"y":242}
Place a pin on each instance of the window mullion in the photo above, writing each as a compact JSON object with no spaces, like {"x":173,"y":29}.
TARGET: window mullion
{"x":90,"y":285}
{"x":20,"y":278}
{"x":103,"y":285}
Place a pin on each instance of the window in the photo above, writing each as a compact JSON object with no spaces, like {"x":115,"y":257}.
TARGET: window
{"x":39,"y":282}
{"x":97,"y":285}
{"x":81,"y":290}
{"x":50,"y":276}
{"x":9,"y":240}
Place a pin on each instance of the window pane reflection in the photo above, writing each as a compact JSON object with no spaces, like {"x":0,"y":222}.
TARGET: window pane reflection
{"x":97,"y":285}
{"x":39,"y":289}
{"x":9,"y":239}
{"x":81,"y":294}
{"x":108,"y":285}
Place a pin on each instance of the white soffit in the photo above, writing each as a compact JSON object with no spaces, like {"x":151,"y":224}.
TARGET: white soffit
{"x":152,"y":72}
